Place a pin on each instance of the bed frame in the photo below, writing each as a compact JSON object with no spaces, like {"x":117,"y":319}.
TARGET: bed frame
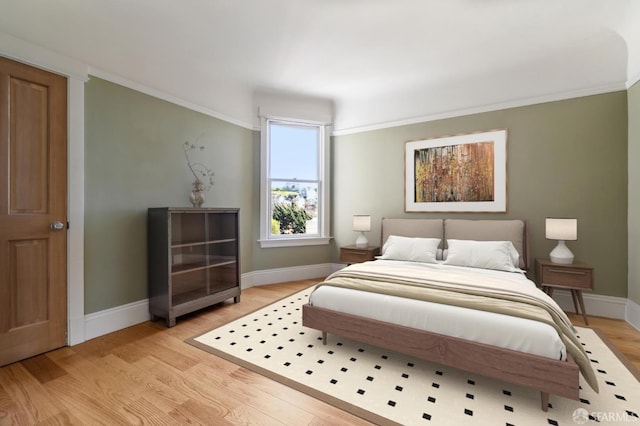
{"x":547,"y":375}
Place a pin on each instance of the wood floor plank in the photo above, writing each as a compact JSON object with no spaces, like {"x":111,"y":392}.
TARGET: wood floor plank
{"x":109,"y":342}
{"x":28,"y":393}
{"x":195,"y":412}
{"x":60,"y":353}
{"x":142,"y":411}
{"x":299,"y":399}
{"x":175,"y":358}
{"x":63,"y":418}
{"x":114,"y":389}
{"x":88,"y":405}
{"x":189,"y":385}
{"x":10,"y":412}
{"x":248,"y":415}
{"x":147,"y":374}
{"x":260,"y":398}
{"x":43,"y":368}
{"x":142,"y":385}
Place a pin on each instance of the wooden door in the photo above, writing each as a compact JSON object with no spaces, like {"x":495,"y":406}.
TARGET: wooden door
{"x":33,"y":170}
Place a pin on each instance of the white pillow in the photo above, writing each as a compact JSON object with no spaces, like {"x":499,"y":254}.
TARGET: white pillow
{"x":499,"y":255}
{"x":410,"y":249}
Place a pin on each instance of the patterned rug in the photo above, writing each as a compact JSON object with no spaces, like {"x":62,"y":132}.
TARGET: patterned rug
{"x":386,"y":387}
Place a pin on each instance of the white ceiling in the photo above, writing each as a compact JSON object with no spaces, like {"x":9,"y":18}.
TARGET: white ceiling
{"x":378,"y":61}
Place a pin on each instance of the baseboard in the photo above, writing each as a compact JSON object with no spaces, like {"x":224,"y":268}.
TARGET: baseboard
{"x":281,"y":275}
{"x":633,"y":314}
{"x":594,"y":304}
{"x":114,"y":319}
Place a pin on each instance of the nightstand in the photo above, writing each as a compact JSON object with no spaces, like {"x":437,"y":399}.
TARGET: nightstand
{"x":576,"y":277}
{"x":353,"y":254}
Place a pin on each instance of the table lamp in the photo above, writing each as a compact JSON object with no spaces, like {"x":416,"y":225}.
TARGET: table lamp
{"x":362,"y":224}
{"x":561,"y":230}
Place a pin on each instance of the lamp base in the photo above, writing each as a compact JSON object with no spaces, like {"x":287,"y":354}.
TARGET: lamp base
{"x":362,"y":242}
{"x":561,"y":254}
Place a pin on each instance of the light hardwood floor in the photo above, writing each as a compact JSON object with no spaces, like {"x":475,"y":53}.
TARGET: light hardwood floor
{"x":146,"y":374}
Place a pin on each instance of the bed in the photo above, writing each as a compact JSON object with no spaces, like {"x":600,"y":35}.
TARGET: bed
{"x":454,"y":292}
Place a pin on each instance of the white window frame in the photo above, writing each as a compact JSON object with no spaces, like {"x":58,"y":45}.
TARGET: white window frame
{"x":290,"y":240}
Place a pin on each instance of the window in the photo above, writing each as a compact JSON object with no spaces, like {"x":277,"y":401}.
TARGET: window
{"x":294,"y":189}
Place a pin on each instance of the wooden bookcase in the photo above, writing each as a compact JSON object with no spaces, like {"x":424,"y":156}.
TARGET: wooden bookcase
{"x":193,"y":259}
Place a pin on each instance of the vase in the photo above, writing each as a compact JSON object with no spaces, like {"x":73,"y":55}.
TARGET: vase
{"x":197,"y":198}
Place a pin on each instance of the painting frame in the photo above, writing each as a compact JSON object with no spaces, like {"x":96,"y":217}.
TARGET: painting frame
{"x":493,"y":141}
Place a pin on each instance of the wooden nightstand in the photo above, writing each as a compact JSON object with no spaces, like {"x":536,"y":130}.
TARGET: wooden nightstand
{"x":576,"y":277}
{"x":353,"y":254}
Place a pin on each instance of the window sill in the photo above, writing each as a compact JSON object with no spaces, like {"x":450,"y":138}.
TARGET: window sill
{"x":294,"y":242}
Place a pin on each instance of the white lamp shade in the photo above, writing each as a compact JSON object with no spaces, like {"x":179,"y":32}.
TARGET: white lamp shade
{"x":361,"y":223}
{"x":561,"y":229}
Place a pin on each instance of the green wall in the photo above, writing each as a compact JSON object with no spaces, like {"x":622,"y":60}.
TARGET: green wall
{"x":634,"y":192}
{"x":134,"y":160}
{"x":564,"y":159}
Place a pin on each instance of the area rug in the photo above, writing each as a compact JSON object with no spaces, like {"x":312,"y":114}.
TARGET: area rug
{"x":386,"y":387}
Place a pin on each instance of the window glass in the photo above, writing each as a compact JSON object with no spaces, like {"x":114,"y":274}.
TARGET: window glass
{"x":294,"y":151}
{"x":294,"y":209}
{"x":293,"y":158}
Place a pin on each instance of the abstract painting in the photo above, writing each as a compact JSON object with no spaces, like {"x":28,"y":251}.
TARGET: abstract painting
{"x":462,"y":173}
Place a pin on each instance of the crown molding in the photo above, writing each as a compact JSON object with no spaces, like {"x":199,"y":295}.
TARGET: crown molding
{"x":31,"y":54}
{"x":113,"y":78}
{"x":559,"y":96}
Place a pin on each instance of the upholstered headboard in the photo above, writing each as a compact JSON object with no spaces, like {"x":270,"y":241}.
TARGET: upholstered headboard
{"x":462,"y":229}
{"x":422,"y":228}
{"x":491,"y":230}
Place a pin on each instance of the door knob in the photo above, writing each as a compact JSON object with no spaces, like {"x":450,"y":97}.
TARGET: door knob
{"x":56,"y":226}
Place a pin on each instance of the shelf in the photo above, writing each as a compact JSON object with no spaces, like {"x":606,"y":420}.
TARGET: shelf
{"x":202,"y":243}
{"x":188,"y":296}
{"x":193,"y":259}
{"x":181,"y":298}
{"x":213,"y":262}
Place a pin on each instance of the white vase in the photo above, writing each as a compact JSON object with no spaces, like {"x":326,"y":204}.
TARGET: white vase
{"x":197,"y":198}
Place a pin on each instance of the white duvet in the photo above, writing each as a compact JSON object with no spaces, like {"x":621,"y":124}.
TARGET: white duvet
{"x":494,"y":329}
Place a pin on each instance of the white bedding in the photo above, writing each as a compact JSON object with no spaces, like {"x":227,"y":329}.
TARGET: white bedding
{"x":499,"y":330}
